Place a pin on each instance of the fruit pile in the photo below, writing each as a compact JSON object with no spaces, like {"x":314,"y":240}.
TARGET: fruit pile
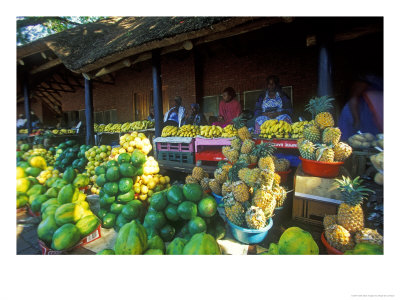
{"x":229,"y":131}
{"x":377,"y":162}
{"x":126,"y":127}
{"x":169,"y":131}
{"x":63,"y":131}
{"x":188,"y":130}
{"x":366,"y":140}
{"x":96,"y":156}
{"x":274,"y":128}
{"x":199,"y":176}
{"x":321,"y":140}
{"x":298,"y":128}
{"x":210,"y":131}
{"x":46,"y":174}
{"x":71,"y":154}
{"x":346,"y":229}
{"x":182,"y":212}
{"x":47,"y":155}
{"x":130,"y":142}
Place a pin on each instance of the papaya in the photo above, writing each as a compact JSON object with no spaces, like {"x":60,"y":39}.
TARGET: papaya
{"x":50,"y":181}
{"x":68,"y":213}
{"x":187,"y":210}
{"x":36,"y":189}
{"x":127,"y":197}
{"x":197,"y":225}
{"x":46,"y":229}
{"x":69,"y":174}
{"x":20,"y":173}
{"x":32,"y":171}
{"x":120,"y":221}
{"x":125,"y":185}
{"x":176,"y":246}
{"x":87,"y":225}
{"x":66,"y":194}
{"x":65,"y":237}
{"x":106,"y":252}
{"x":150,"y":230}
{"x":131,"y":239}
{"x":23,"y":185}
{"x":132,"y":210}
{"x":59,"y":183}
{"x":81,"y":181}
{"x":138,"y":158}
{"x":22,"y":200}
{"x":81,"y":197}
{"x":175,"y":195}
{"x":126,"y":170}
{"x":112,"y":174}
{"x":49,"y":211}
{"x":52,"y":192}
{"x":156,"y":242}
{"x":38,"y":162}
{"x":273,"y":249}
{"x":365,"y":249}
{"x":171,"y":212}
{"x":201,"y":244}
{"x":216,"y":227}
{"x":159,"y":201}
{"x":154,"y":252}
{"x":192,"y":192}
{"x":37,"y":202}
{"x":295,"y":240}
{"x":116,"y":208}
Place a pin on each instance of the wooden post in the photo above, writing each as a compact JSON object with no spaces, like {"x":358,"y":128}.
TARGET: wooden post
{"x":89,"y":112}
{"x":27,"y":106}
{"x":157,"y":92}
{"x":324,"y":65}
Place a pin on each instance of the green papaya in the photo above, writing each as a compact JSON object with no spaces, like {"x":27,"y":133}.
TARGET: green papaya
{"x":81,"y":181}
{"x":158,"y":201}
{"x":87,"y":225}
{"x":69,"y":174}
{"x":176,"y":246}
{"x":120,"y":221}
{"x":116,"y":208}
{"x":22,"y":200}
{"x":65,"y":237}
{"x":192,"y":192}
{"x":36,"y":189}
{"x":154,"y":252}
{"x":68,"y":213}
{"x":131,"y":239}
{"x":66,"y":194}
{"x":46,"y":229}
{"x":106,"y":252}
{"x":156,"y":243}
{"x":175,"y":194}
{"x":52,"y":201}
{"x":49,"y":211}
{"x":201,"y":244}
{"x":52,"y":192}
{"x":132,"y":210}
{"x":37,"y":202}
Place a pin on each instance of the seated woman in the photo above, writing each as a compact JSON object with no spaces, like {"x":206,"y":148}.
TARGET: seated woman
{"x":273,"y":104}
{"x":196,"y":117}
{"x":174,"y":117}
{"x":229,"y":108}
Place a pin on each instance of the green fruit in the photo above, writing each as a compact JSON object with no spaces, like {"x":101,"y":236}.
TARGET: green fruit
{"x":365,"y":249}
{"x":125,"y":184}
{"x":36,"y":189}
{"x":52,"y":201}
{"x":216,"y":227}
{"x":59,"y":183}
{"x":131,"y":239}
{"x":109,"y":220}
{"x":37,"y":202}
{"x":133,"y":210}
{"x":207,"y":207}
{"x":23,"y":185}
{"x":116,"y":208}
{"x":32,"y":180}
{"x":101,"y":180}
{"x":171,"y":212}
{"x":87,"y":225}
{"x":49,"y":211}
{"x":139,"y":172}
{"x":20,"y":173}
{"x":69,"y":174}
{"x":150,"y":230}
{"x":112,"y":173}
{"x":111,"y":163}
{"x":68,"y":213}
{"x":197,"y":225}
{"x":120,"y":221}
{"x":273,"y":249}
{"x":156,"y":243}
{"x":155,"y":219}
{"x":175,"y":194}
{"x":127,"y":170}
{"x":187,"y":210}
{"x":50,"y":181}
{"x":192,"y":192}
{"x":153,"y":252}
{"x":52,"y":193}
{"x":104,"y":204}
{"x":138,"y":158}
{"x":124,"y":158}
{"x":22,"y":200}
{"x":23,"y":164}
{"x":100,"y":170}
{"x":111,"y":188}
{"x":158,"y":201}
{"x":81,"y":181}
{"x":176,"y":246}
{"x":32,"y":171}
{"x":295,"y":240}
{"x":46,"y":229}
{"x":66,"y":194}
{"x":127,"y":197}
{"x":106,"y":252}
{"x":167,"y":233}
{"x":102,"y":213}
{"x":65,"y":237}
{"x":201,"y":244}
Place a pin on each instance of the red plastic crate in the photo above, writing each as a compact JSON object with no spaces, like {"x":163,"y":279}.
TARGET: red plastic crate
{"x":176,"y":147}
{"x":210,"y":156}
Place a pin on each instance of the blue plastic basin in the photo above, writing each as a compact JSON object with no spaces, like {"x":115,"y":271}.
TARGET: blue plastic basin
{"x":218,"y":198}
{"x":250,"y":236}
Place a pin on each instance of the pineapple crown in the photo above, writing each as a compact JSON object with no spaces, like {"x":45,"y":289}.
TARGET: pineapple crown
{"x":263,"y":150}
{"x":233,"y":173}
{"x":239,"y":122}
{"x":319,"y":104}
{"x":352,"y":191}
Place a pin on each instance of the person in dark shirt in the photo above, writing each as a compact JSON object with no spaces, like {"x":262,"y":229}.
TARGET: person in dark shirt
{"x":196,"y":117}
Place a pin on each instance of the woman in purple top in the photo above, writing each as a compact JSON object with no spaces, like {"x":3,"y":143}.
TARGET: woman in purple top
{"x":272,"y":104}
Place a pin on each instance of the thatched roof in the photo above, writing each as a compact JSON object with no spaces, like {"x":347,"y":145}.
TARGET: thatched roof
{"x":91,"y":46}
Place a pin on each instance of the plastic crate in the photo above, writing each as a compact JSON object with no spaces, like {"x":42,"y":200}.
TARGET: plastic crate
{"x":181,"y":157}
{"x":210,"y":156}
{"x":177,"y":147}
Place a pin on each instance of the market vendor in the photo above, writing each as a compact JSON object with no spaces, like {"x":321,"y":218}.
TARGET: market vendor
{"x":175,"y":116}
{"x":21,"y":121}
{"x":229,"y":108}
{"x":196,"y":117}
{"x":150,"y":117}
{"x":272,"y":104}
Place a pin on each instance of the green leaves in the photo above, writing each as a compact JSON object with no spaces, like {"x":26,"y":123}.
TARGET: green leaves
{"x":353,"y":191}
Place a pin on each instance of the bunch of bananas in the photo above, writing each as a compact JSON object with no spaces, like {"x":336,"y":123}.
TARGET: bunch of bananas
{"x":23,"y":131}
{"x":169,"y":131}
{"x":140,"y":125}
{"x":189,"y":130}
{"x":229,"y":131}
{"x":126,"y":127}
{"x":210,"y":131}
{"x":99,"y":128}
{"x":298,"y":127}
{"x":63,"y":131}
{"x":274,"y":128}
{"x":112,"y":127}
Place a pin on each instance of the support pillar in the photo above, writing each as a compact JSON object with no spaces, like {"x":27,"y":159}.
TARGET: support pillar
{"x":89,"y":112}
{"x":324,"y":66}
{"x":157,"y":92}
{"x":27,"y":106}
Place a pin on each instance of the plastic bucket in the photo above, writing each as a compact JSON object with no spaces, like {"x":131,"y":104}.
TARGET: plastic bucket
{"x":328,"y":247}
{"x":321,"y":169}
{"x":284,"y":175}
{"x":250,"y":236}
{"x":218,"y":198}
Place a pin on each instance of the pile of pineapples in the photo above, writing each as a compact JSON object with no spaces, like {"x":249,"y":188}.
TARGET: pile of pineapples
{"x":321,"y":140}
{"x":346,"y":229}
{"x":199,"y":176}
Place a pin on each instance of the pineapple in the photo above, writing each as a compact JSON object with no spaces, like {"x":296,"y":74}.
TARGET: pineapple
{"x":226,"y":167}
{"x":253,"y":159}
{"x":249,"y":176}
{"x":236,"y":143}
{"x":220,"y":176}
{"x":247,"y":146}
{"x":318,"y":107}
{"x":329,"y":220}
{"x":240,"y":124}
{"x":255,"y":218}
{"x":264,"y":200}
{"x":338,"y":237}
{"x":226,"y":188}
{"x":234,"y":210}
{"x":350,"y":214}
{"x":231,"y":154}
{"x":331,"y":135}
{"x":342,"y":151}
{"x":190,"y":179}
{"x":307,"y":150}
{"x":205,"y":184}
{"x":282,"y":165}
{"x":215,"y":186}
{"x":267,"y":178}
{"x":367,"y":235}
{"x":244,"y":158}
{"x":277,"y":179}
{"x":325,"y":153}
{"x":240,"y":191}
{"x":198,"y":173}
{"x":312,"y":133}
{"x":266,"y":163}
{"x":280,"y":195}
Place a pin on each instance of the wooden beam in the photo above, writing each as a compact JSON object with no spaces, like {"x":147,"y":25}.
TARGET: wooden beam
{"x":31,"y":48}
{"x":51,"y":87}
{"x":51,"y":95}
{"x":46,"y":66}
{"x":66,"y":80}
{"x":126,"y":63}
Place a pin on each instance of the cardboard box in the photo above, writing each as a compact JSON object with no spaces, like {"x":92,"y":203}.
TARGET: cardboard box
{"x":312,"y":211}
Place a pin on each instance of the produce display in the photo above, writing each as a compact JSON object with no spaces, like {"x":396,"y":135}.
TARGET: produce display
{"x":71,"y":154}
{"x":96,"y":155}
{"x":169,"y":131}
{"x":229,"y":131}
{"x":321,"y":140}
{"x":63,"y":131}
{"x":126,"y":127}
{"x":298,"y":129}
{"x":346,"y":229}
{"x":366,"y":140}
{"x":377,"y":162}
{"x":130,"y":142}
{"x":210,"y":131}
{"x":274,"y":128}
{"x":188,"y":131}
{"x":46,"y":154}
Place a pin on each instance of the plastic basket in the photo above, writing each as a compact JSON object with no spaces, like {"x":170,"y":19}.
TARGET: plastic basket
{"x":250,"y":236}
{"x":321,"y":169}
{"x":218,"y":198}
{"x":177,"y":147}
{"x":328,"y":247}
{"x":180,"y":157}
